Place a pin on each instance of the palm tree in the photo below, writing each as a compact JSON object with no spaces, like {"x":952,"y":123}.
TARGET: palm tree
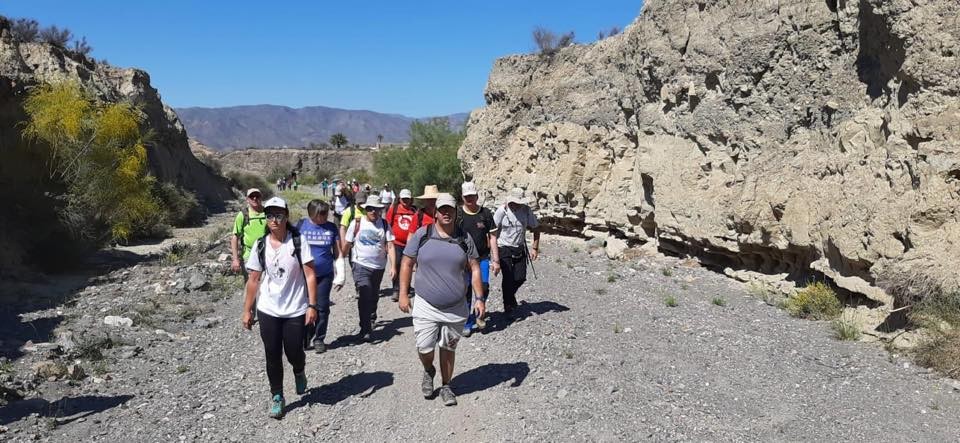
{"x":338,"y":140}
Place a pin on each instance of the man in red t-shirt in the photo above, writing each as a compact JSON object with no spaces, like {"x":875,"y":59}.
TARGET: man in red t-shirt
{"x":402,"y":216}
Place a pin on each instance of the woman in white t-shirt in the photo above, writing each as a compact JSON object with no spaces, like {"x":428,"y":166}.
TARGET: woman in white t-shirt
{"x":283,"y":286}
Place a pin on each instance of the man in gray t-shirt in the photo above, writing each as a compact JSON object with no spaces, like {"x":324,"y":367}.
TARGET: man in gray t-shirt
{"x":443,"y":255}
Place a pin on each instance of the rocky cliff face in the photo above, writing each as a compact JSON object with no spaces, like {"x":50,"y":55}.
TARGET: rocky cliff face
{"x":792,"y":136}
{"x":23,"y":65}
{"x":264,"y":161}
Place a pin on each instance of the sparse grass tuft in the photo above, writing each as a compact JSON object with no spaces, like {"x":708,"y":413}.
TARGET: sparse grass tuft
{"x":99,"y":368}
{"x":667,"y":272}
{"x":684,"y":286}
{"x":845,"y":330}
{"x":220,"y":233}
{"x":719,"y":301}
{"x":575,"y":249}
{"x":611,"y":278}
{"x":599,"y":291}
{"x":670,"y":301}
{"x":182,"y":368}
{"x":816,"y":302}
{"x":180,"y":254}
{"x":617,"y":328}
{"x":937,"y":308}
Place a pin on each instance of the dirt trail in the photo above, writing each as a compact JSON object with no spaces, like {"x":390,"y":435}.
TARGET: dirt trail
{"x":597,"y":356}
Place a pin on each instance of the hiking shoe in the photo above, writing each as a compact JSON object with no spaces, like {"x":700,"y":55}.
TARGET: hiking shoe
{"x":276,"y":407}
{"x":481,"y":323}
{"x":449,"y":399}
{"x":467,"y":331}
{"x":319,"y":347}
{"x":426,"y":385}
{"x":301,"y":381}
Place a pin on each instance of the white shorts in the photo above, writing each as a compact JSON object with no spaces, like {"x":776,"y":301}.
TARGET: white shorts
{"x":433,"y":327}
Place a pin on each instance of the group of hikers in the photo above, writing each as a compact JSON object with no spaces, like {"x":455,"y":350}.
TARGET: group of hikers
{"x":291,"y":267}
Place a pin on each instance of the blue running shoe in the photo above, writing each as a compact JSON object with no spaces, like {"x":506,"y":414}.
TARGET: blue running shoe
{"x":276,"y":407}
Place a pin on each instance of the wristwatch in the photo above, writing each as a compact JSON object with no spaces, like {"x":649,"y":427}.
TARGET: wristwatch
{"x":315,"y":307}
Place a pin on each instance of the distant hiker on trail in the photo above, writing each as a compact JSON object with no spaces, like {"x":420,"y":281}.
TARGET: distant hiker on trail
{"x":342,"y":199}
{"x":370,"y":240}
{"x":248,"y":226}
{"x":401,"y":216}
{"x":356,"y":186}
{"x":351,"y":213}
{"x":444,"y":255}
{"x":513,"y":219}
{"x":323,"y":187}
{"x":477,"y":221}
{"x":386,"y":195}
{"x":324,"y":240}
{"x":282,"y":282}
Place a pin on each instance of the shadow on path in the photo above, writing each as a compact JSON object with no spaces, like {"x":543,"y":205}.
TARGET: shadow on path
{"x":490,"y":375}
{"x":383,"y":331}
{"x":67,"y":409}
{"x":498,"y":321}
{"x":363,"y":384}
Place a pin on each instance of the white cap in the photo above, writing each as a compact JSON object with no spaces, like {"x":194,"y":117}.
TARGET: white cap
{"x":253,"y":190}
{"x":276,"y":202}
{"x":445,"y":199}
{"x":405,"y":193}
{"x":468,"y":188}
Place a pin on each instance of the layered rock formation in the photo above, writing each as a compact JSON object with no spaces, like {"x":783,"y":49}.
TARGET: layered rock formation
{"x":23,"y":65}
{"x":264,"y":161}
{"x":788,"y":136}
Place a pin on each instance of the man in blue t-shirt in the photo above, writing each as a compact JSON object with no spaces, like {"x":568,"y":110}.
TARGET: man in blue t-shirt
{"x":323,"y":238}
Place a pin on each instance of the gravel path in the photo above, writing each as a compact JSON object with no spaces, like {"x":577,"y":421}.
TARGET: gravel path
{"x":598,"y":356}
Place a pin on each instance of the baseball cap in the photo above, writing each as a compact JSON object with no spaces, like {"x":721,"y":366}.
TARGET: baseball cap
{"x":468,"y":188}
{"x":276,"y":202}
{"x":253,"y":191}
{"x":445,"y":199}
{"x":405,"y":193}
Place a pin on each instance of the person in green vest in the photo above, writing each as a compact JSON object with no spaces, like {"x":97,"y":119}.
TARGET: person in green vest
{"x":249,"y":225}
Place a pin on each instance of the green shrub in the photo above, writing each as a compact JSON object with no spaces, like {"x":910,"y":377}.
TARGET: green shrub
{"x":670,"y":301}
{"x":98,"y":152}
{"x":719,"y":301}
{"x":816,"y":302}
{"x":307,"y":180}
{"x":181,"y":206}
{"x":245,"y":180}
{"x":936,"y":308}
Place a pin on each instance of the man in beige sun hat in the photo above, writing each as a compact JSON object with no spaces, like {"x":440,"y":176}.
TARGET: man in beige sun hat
{"x":428,"y":207}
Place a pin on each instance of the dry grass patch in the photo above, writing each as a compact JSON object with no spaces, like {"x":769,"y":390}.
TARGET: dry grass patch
{"x":941,"y":353}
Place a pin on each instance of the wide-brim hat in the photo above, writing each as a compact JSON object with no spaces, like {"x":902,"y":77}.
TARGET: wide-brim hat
{"x":373,"y":201}
{"x":516,"y":196}
{"x":430,"y":191}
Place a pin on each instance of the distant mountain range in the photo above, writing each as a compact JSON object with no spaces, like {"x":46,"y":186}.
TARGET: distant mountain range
{"x":276,"y":126}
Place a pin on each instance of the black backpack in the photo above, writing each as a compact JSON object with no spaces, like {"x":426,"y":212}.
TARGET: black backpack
{"x":262,"y":247}
{"x":459,"y":237}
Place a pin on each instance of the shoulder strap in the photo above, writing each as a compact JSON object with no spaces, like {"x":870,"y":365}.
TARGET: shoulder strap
{"x":246,"y":219}
{"x":262,"y":251}
{"x":426,"y":237}
{"x":297,"y":240}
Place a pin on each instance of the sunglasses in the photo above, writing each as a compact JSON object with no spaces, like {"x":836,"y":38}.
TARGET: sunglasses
{"x":254,"y":197}
{"x":276,"y":217}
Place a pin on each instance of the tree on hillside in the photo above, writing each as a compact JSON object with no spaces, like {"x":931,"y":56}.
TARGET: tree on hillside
{"x":548,"y":43}
{"x":25,"y":30}
{"x":430,"y":159}
{"x":338,"y":140}
{"x":56,"y":36}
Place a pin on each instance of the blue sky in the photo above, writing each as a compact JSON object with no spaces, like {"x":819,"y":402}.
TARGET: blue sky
{"x":417,"y":58}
